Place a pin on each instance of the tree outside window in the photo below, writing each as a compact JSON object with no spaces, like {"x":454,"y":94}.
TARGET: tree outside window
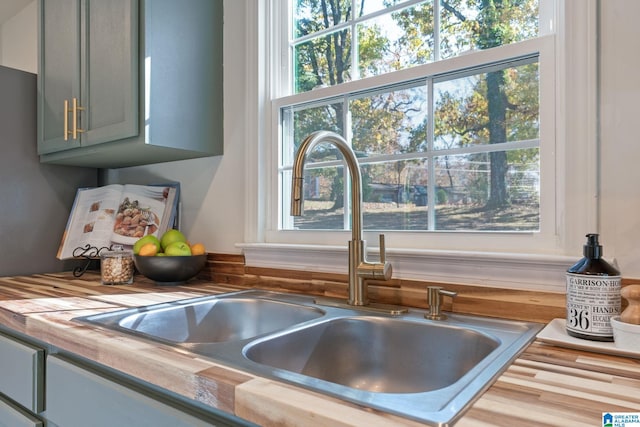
{"x":457,"y":150}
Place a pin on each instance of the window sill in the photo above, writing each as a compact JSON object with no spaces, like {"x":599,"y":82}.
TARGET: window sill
{"x":498,"y":270}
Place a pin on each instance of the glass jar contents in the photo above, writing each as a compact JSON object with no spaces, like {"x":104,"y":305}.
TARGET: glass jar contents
{"x":116,"y":267}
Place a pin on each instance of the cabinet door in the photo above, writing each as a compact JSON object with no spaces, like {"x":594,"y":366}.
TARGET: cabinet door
{"x":58,"y":70}
{"x":77,"y":397}
{"x":109,"y":46}
{"x":22,"y":373}
{"x":88,"y":52}
{"x":11,"y":416}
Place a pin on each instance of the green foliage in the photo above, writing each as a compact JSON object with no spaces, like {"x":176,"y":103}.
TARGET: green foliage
{"x":371,"y":49}
{"x":441,"y":196}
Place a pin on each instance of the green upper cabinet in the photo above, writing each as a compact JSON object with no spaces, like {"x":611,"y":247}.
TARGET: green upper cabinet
{"x":89,"y":73}
{"x":59,"y":76}
{"x":128,"y":82}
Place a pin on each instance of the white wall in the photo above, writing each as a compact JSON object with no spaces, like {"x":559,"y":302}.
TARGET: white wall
{"x":620,"y":140}
{"x":19,"y":40}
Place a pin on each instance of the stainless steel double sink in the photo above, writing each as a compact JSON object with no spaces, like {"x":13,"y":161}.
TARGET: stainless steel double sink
{"x":426,"y":370}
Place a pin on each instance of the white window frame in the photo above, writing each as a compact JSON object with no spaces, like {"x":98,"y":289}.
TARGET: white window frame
{"x":520,"y":260}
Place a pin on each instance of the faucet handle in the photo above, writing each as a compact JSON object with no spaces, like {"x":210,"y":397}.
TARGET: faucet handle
{"x":374,"y":270}
{"x":383,"y":250}
{"x":386,"y":267}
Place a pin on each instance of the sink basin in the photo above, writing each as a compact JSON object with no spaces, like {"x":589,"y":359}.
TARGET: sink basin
{"x":377,"y":354}
{"x":426,"y":370}
{"x":209,"y":319}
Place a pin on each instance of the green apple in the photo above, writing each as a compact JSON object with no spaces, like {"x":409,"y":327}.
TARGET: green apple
{"x":149,"y":238}
{"x":178,"y":249}
{"x":171,"y":236}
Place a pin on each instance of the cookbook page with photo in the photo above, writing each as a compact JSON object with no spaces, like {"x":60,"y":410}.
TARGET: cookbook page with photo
{"x":142,"y":210}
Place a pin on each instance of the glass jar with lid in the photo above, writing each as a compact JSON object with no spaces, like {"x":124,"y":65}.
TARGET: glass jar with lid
{"x":116,"y":266}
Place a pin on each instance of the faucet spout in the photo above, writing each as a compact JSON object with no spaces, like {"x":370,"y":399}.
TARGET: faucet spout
{"x":354,"y":173}
{"x":359,"y":268}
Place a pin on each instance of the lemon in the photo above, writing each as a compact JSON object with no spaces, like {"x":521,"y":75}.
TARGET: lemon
{"x":149,"y":238}
{"x":198,"y":249}
{"x":149,"y":249}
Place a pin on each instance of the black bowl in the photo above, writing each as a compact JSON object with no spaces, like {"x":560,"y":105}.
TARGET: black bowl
{"x":170,"y":270}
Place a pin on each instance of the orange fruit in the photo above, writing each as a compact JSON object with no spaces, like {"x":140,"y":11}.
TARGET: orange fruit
{"x":198,"y":249}
{"x":148,"y":249}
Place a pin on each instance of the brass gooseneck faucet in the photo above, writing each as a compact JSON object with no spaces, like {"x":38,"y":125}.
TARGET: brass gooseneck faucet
{"x":359,"y":268}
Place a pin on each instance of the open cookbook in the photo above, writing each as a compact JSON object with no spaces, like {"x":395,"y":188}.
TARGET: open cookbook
{"x":118,"y":215}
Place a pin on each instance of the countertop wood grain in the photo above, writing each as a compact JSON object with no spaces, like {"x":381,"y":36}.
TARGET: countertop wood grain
{"x":545,"y":386}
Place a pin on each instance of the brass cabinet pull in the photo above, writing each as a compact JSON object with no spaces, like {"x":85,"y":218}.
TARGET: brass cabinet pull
{"x":76,"y":108}
{"x":66,"y":119}
{"x":74,"y":119}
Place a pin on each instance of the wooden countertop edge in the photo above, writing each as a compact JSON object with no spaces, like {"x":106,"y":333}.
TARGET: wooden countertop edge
{"x":549,"y":385}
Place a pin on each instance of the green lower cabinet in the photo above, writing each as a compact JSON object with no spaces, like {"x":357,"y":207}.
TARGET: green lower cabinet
{"x":22,"y":372}
{"x":79,"y":396}
{"x":21,"y":382}
{"x":13,"y":416}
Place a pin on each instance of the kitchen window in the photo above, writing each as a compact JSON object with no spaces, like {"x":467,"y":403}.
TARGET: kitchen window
{"x":441,"y":101}
{"x":462,"y":126}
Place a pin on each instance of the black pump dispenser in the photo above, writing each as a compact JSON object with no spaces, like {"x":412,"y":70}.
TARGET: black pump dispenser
{"x":592,"y":249}
{"x":593,"y":294}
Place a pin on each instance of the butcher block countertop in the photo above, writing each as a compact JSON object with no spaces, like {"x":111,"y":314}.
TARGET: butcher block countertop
{"x":545,"y":386}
